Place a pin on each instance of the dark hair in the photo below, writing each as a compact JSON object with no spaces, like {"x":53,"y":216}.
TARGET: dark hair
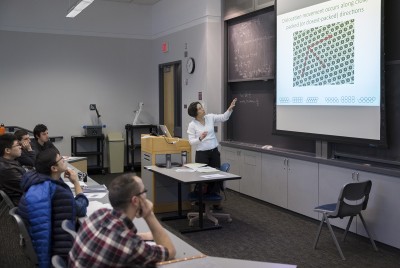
{"x":39,"y":129}
{"x":6,"y":141}
{"x":192,"y":109}
{"x":121,"y":190}
{"x":20,"y":133}
{"x":45,"y":159}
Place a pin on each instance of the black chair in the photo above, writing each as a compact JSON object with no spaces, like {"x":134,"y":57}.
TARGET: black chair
{"x":353,"y":198}
{"x":69,"y":227}
{"x":58,"y":262}
{"x":5,"y":203}
{"x":209,"y":200}
{"x":24,"y":238}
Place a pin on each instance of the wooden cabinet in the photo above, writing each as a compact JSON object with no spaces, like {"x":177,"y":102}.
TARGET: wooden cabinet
{"x":247,"y":164}
{"x":163,"y":191}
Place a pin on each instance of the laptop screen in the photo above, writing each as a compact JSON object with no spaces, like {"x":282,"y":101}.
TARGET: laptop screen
{"x":164,"y":131}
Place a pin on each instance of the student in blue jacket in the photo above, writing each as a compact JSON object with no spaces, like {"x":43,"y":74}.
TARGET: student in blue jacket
{"x":47,"y":201}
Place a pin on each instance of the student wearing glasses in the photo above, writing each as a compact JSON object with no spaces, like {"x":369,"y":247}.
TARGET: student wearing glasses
{"x":28,"y":155}
{"x":10,"y":169}
{"x":109,"y":238}
{"x":47,"y":201}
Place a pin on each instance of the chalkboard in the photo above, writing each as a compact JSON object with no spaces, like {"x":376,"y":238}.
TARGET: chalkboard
{"x":251,"y":47}
{"x":252,"y":120}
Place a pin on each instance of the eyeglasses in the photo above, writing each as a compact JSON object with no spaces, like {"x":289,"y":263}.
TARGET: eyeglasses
{"x":55,"y":163}
{"x":16,"y":145}
{"x":142,"y":192}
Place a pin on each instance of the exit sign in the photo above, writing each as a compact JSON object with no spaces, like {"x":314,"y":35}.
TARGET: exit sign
{"x":164,"y":47}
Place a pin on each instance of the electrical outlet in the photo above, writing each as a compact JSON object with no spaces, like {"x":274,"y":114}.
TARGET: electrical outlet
{"x":92,"y":107}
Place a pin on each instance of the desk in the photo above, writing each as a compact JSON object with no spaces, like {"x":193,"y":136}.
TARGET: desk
{"x":189,"y":178}
{"x":184,"y":250}
{"x":215,"y":262}
{"x":80,"y":163}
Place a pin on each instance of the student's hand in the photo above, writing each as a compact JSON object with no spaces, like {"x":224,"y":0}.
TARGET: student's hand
{"x":71,"y":175}
{"x":145,"y":209}
{"x":233,"y":103}
{"x":26,"y":145}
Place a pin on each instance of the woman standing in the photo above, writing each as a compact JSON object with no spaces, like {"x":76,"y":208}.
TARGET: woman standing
{"x":201,"y":133}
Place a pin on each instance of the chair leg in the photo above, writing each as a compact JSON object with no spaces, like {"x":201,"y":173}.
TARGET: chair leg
{"x":347,"y":228}
{"x":369,"y":235}
{"x":334,"y":238}
{"x":319,"y":232}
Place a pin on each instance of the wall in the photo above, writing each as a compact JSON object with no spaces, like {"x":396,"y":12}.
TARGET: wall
{"x":52,"y":67}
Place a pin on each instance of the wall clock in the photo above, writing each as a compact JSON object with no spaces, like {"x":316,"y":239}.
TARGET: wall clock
{"x":190,"y":65}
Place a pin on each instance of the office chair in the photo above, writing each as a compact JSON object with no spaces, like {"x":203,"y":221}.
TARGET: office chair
{"x":69,"y":227}
{"x":225,"y":168}
{"x":24,"y":238}
{"x":209,"y":200}
{"x":5,"y":203}
{"x":58,"y":262}
{"x":353,"y":198}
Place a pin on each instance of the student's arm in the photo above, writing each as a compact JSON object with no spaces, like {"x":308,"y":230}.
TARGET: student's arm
{"x":81,"y":201}
{"x":160,"y":236}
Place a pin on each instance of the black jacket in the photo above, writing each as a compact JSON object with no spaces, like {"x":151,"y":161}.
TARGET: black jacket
{"x":10,"y":178}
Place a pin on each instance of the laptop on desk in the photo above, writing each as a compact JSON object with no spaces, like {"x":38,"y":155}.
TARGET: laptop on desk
{"x":164,"y":131}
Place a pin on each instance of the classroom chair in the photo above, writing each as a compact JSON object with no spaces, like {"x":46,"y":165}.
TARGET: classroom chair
{"x":5,"y":203}
{"x":209,"y":201}
{"x":24,"y":238}
{"x":69,"y":227}
{"x":58,"y":262}
{"x":353,"y":198}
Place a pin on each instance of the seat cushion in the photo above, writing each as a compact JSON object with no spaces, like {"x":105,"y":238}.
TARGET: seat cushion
{"x":326,"y":208}
{"x":193,"y":196}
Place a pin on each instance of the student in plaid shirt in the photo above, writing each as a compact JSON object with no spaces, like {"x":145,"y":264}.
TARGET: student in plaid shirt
{"x":108,"y":238}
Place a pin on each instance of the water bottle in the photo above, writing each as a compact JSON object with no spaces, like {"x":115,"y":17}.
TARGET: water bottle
{"x":168,"y":165}
{"x":184,"y":157}
{"x":2,"y":129}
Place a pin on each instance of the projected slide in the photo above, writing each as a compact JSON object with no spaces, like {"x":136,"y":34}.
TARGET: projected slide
{"x":324,"y":55}
{"x":329,"y":54}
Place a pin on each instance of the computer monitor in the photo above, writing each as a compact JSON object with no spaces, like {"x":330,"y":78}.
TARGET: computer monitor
{"x":164,"y":131}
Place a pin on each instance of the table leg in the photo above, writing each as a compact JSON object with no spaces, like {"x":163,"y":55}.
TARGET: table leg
{"x":180,"y":215}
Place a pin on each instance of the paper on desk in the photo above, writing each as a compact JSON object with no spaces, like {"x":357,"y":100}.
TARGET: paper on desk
{"x":95,"y":195}
{"x":185,"y":170}
{"x":72,"y":186}
{"x":194,"y":165}
{"x":95,"y":205}
{"x":207,"y":169}
{"x":213,"y":176}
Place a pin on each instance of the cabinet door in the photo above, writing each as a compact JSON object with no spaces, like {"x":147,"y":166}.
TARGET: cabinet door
{"x":231,"y":156}
{"x":302,"y":187}
{"x":382,"y":214}
{"x":331,"y":181}
{"x":274,"y":180}
{"x":250,"y":184}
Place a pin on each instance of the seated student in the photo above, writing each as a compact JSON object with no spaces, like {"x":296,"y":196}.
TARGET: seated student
{"x":10,"y":170}
{"x":109,"y":238}
{"x":28,"y":155}
{"x":47,"y":201}
{"x":41,"y":141}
